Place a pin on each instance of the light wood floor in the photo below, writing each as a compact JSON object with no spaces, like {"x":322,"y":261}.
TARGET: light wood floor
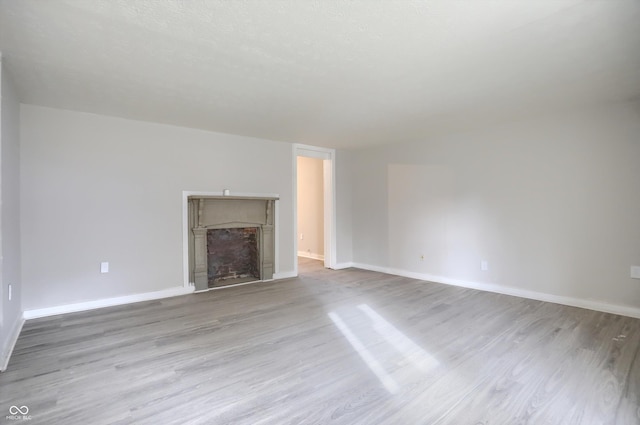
{"x":330,"y":347}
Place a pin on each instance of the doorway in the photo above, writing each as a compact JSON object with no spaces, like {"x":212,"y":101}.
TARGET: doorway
{"x":314,"y":237}
{"x":310,"y":211}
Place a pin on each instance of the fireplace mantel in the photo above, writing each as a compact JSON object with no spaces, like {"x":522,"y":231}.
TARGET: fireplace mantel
{"x":218,"y":212}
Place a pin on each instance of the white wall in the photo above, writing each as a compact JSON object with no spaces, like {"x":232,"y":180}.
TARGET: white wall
{"x":343,"y":195}
{"x":310,"y":207}
{"x":97,"y":188}
{"x":10,"y":310}
{"x":553,"y":205}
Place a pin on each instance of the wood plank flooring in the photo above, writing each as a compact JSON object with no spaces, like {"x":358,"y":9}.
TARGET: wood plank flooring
{"x":329,"y":347}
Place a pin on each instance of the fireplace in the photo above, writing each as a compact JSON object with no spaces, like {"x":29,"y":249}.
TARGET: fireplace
{"x":231,"y":240}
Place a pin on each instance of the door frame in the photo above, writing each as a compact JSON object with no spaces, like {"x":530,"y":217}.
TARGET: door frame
{"x":329,"y":180}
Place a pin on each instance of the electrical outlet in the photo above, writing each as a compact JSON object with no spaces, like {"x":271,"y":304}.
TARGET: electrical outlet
{"x":301,"y":237}
{"x":104,"y":267}
{"x":635,"y":272}
{"x":484,"y":265}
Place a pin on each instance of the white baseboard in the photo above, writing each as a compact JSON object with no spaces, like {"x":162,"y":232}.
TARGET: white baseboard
{"x":340,"y":266}
{"x":14,"y":333}
{"x":517,"y":292}
{"x":106,"y":302}
{"x":311,"y":255}
{"x":284,"y":275}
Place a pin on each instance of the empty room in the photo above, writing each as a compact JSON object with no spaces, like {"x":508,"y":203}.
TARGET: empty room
{"x":320,"y":212}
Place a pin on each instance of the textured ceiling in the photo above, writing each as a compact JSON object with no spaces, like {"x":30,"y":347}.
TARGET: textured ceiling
{"x":328,"y":73}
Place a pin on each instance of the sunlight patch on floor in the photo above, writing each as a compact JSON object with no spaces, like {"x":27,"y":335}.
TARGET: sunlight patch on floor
{"x":398,"y":340}
{"x":382,"y":346}
{"x":365,"y":354}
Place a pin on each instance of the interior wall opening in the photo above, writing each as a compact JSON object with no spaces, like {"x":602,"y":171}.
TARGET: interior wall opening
{"x":310,"y":203}
{"x":314,"y":183}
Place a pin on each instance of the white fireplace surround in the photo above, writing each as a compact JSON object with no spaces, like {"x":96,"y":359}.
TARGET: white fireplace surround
{"x":215,"y":210}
